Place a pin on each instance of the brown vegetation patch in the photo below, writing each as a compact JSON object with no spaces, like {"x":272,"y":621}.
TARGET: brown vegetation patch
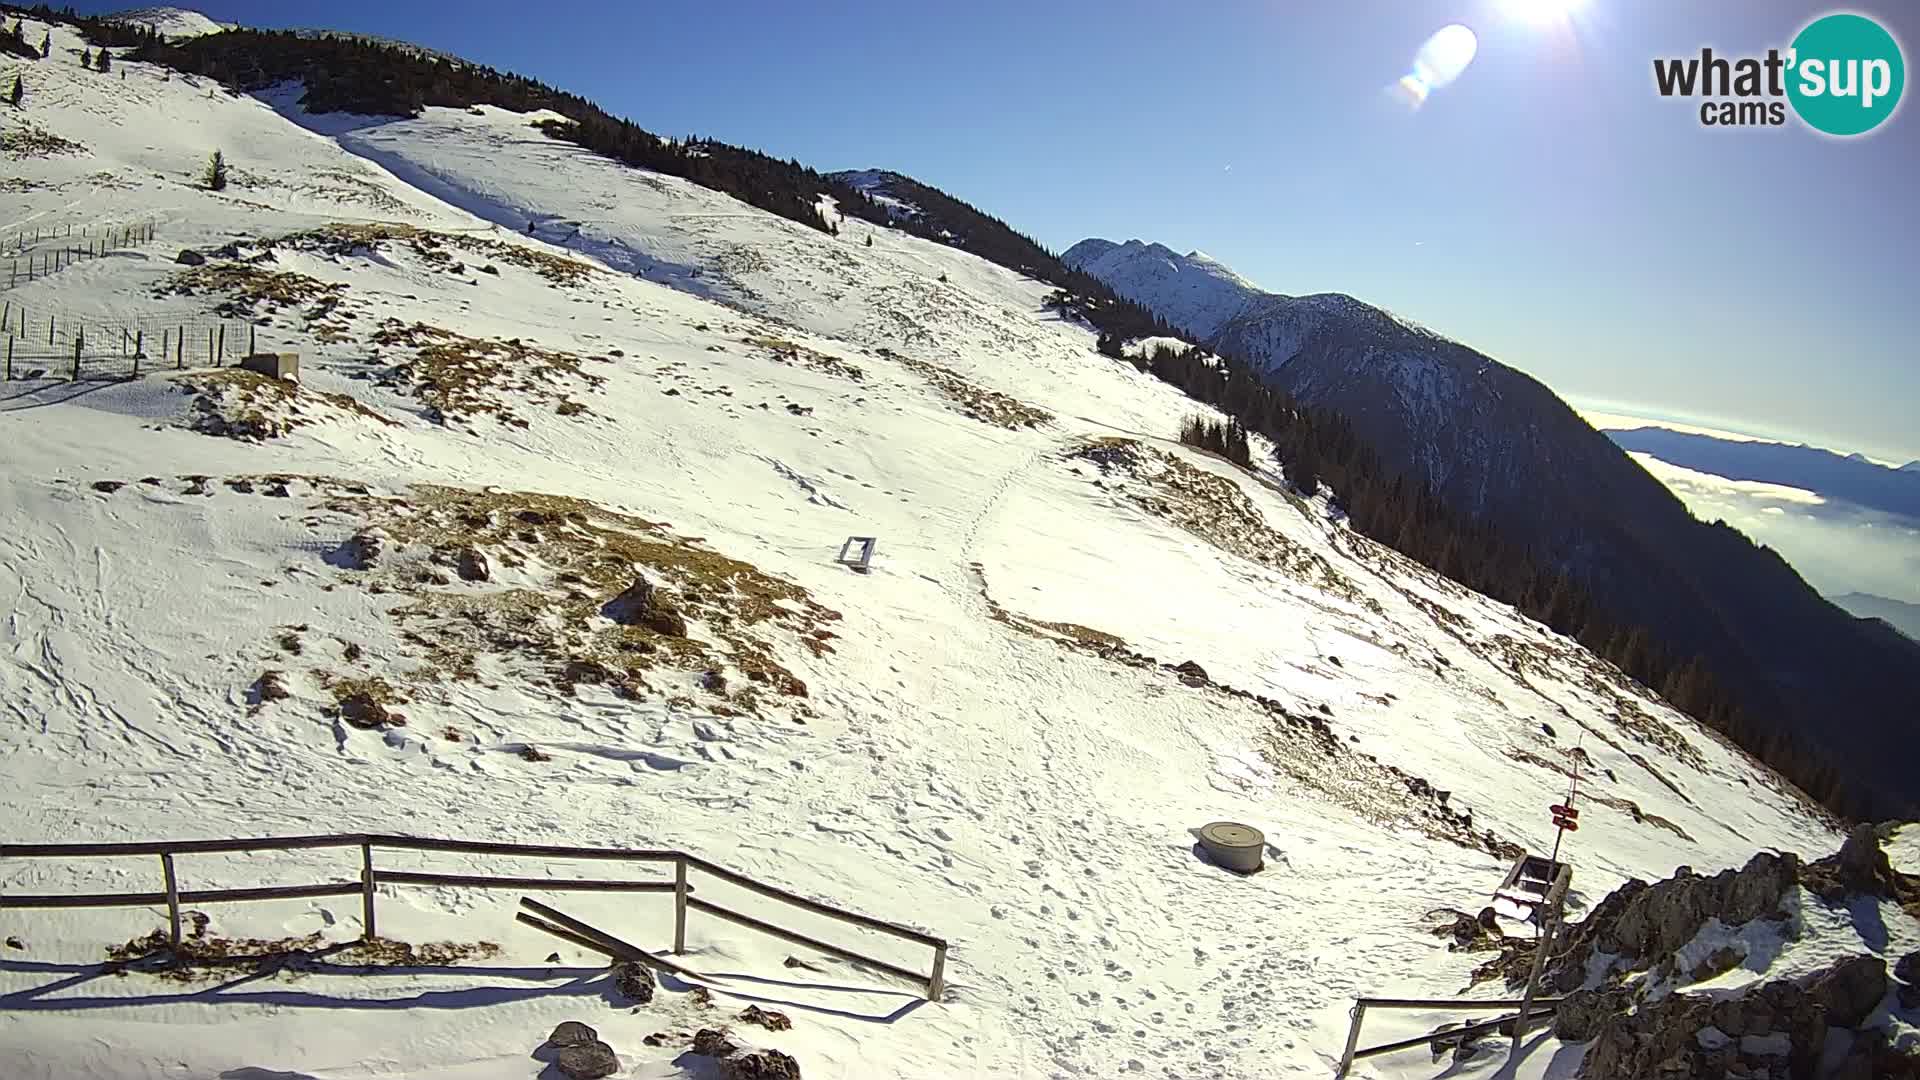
{"x":201,"y":955}
{"x":713,"y":621}
{"x":437,"y":248}
{"x":460,"y":377}
{"x":28,"y":140}
{"x":782,"y":351}
{"x":235,"y":403}
{"x":1208,"y":507}
{"x":974,"y":402}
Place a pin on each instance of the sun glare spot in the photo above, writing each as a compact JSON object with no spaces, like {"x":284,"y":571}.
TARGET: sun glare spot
{"x":1440,"y":61}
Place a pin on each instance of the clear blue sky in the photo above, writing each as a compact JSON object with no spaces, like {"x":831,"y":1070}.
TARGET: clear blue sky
{"x":1548,"y":207}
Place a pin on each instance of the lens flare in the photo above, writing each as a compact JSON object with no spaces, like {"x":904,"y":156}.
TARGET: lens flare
{"x":1440,"y":61}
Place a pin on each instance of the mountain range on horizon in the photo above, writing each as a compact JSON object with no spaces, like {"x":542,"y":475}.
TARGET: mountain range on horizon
{"x":1499,"y":445}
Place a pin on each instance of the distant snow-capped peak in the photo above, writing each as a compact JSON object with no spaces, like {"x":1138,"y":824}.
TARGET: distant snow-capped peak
{"x":171,"y":22}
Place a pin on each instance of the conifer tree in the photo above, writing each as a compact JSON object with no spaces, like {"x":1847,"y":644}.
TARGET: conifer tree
{"x":19,"y":91}
{"x":104,"y":61}
{"x":46,"y":45}
{"x":216,"y":174}
{"x":86,"y":58}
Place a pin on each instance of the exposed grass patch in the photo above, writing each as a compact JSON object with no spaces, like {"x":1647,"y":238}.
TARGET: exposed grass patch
{"x":782,"y":351}
{"x":235,"y":403}
{"x":716,"y":628}
{"x":29,"y":140}
{"x":973,"y":402}
{"x":438,"y":249}
{"x":460,"y":377}
{"x":201,"y":955}
{"x":1209,"y":507}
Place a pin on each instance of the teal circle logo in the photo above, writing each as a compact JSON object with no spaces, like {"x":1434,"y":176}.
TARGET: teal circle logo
{"x":1846,"y":74}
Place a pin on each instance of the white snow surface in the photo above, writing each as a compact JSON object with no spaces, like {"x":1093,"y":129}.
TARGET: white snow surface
{"x":172,"y":22}
{"x":1027,"y":801}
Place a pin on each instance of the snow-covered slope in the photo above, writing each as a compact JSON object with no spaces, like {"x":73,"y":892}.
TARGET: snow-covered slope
{"x":1193,"y":291}
{"x":173,"y":23}
{"x":985,"y":736}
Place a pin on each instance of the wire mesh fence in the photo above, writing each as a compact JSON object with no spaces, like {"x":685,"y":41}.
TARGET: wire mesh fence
{"x":62,"y":345}
{"x":70,"y":243}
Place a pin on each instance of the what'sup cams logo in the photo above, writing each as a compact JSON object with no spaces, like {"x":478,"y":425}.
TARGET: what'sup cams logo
{"x":1842,"y":76}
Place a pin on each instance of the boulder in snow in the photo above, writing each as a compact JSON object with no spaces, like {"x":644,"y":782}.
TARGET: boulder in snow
{"x":759,"y":1065}
{"x":572,"y":1033}
{"x":634,"y":981}
{"x":1908,"y":972}
{"x":712,"y":1042}
{"x":189,"y":257}
{"x":587,"y":1061}
{"x":472,"y":565}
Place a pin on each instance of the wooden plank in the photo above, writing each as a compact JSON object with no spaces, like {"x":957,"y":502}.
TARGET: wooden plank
{"x":814,"y":906}
{"x":627,"y":951}
{"x":544,"y":851}
{"x":481,"y":881}
{"x":190,"y":896}
{"x":804,"y":941}
{"x":564,"y":934}
{"x":1451,"y":1004}
{"x":176,"y":847}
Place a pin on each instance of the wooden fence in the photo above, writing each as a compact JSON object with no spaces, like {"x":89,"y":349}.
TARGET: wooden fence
{"x":371,"y":876}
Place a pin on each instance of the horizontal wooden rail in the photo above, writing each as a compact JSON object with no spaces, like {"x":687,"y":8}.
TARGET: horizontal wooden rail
{"x":186,"y":896}
{"x":814,"y":906}
{"x":1538,"y":1009}
{"x":408,"y":877}
{"x":175,"y":847}
{"x":804,"y":941}
{"x":536,"y":851}
{"x":371,"y":877}
{"x":1452,"y":1035}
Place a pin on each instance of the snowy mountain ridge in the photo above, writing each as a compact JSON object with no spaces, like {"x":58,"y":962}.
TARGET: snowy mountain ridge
{"x":535,"y":385}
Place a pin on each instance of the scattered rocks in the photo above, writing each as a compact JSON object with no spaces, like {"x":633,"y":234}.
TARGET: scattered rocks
{"x":1908,"y":972}
{"x":190,"y":257}
{"x":533,"y":753}
{"x":666,"y":622}
{"x":271,"y":686}
{"x":16,"y":943}
{"x":1192,"y":674}
{"x":1548,"y":729}
{"x":472,"y":565}
{"x":714,"y":681}
{"x":634,"y":981}
{"x":278,"y":490}
{"x":363,"y":550}
{"x":490,"y":269}
{"x":759,"y":1065}
{"x":1582,"y":1012}
{"x":363,"y":710}
{"x":712,"y":1042}
{"x":633,"y":605}
{"x":107,"y":487}
{"x":572,"y":1033}
{"x":772,"y":1021}
{"x":588,"y":1062}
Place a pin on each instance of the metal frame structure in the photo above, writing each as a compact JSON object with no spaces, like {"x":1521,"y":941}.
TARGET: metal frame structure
{"x":864,"y":560}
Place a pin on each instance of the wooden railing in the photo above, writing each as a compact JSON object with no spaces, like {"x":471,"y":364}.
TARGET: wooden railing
{"x":372,"y":876}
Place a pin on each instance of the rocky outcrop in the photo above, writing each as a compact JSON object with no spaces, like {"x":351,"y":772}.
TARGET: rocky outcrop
{"x":1778,"y":1028}
{"x":1850,"y":990}
{"x":759,"y":1065}
{"x":363,"y":550}
{"x":1908,"y":972}
{"x":1642,"y":925}
{"x":637,"y":605}
{"x":1859,"y":867}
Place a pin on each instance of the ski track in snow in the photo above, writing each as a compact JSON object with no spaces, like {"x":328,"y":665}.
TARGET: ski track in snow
{"x":1027,"y":801}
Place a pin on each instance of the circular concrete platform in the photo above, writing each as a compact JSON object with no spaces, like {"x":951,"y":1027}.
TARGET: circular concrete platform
{"x":1233,"y":845}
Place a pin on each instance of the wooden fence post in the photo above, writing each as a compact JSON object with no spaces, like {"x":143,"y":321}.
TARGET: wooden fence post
{"x":679,"y":906}
{"x":223,"y":345}
{"x":164,"y":332}
{"x":210,"y":360}
{"x":937,"y":984}
{"x":366,"y":890}
{"x":180,"y":348}
{"x":250,"y":339}
{"x":9,"y":357}
{"x":138,"y":351}
{"x":173,"y":900}
{"x":79,"y":340}
{"x":49,"y":331}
